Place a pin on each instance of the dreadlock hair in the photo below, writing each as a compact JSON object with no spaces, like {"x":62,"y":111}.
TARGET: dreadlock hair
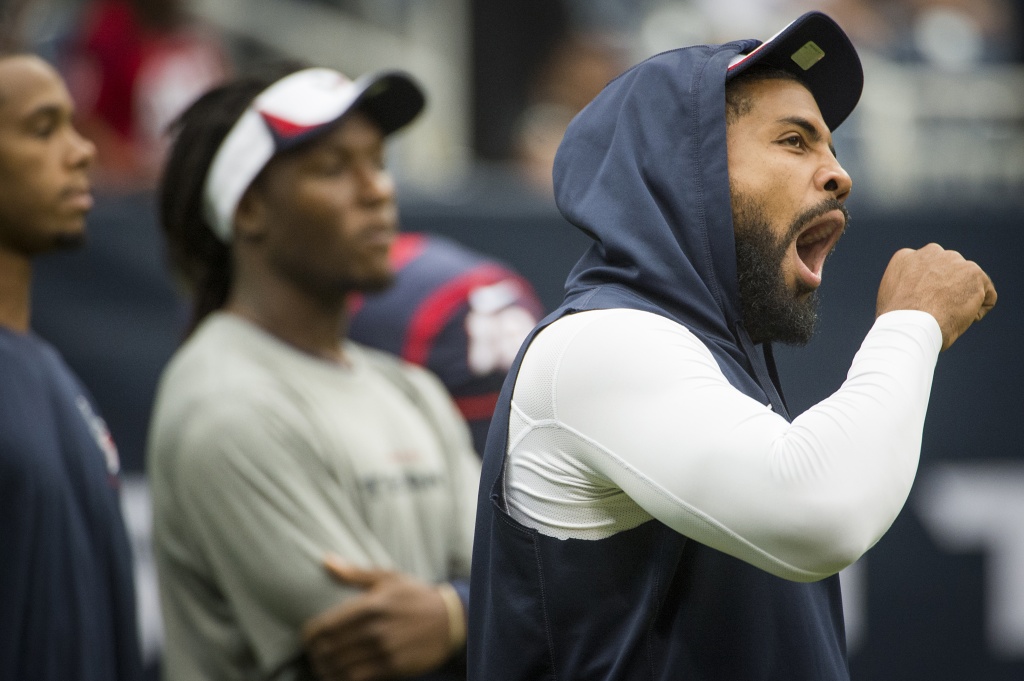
{"x":738,"y":101}
{"x":197,"y":254}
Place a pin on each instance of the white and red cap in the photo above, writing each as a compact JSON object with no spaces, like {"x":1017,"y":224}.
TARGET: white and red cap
{"x":819,"y":53}
{"x":295,"y":109}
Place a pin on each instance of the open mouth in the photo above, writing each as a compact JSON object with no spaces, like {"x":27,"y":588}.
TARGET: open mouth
{"x":816,"y":242}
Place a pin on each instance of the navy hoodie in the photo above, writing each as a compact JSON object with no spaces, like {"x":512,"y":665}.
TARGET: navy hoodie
{"x":643,"y":171}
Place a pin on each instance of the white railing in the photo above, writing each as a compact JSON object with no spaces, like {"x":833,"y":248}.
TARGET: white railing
{"x":921,"y":133}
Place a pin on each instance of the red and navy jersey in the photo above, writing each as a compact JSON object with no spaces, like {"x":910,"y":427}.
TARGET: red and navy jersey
{"x":454,"y":311}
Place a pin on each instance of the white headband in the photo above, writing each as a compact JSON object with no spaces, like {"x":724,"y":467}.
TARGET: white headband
{"x":293,"y":110}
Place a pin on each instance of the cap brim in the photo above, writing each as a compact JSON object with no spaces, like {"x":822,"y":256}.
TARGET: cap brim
{"x":391,"y":99}
{"x":819,"y":53}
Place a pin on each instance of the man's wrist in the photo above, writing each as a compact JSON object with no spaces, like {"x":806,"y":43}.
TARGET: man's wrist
{"x":456,"y":615}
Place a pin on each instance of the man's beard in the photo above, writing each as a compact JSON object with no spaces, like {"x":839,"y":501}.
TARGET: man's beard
{"x":329,"y":289}
{"x":771,"y":311}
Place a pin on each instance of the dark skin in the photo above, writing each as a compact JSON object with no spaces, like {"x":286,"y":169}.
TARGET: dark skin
{"x":781,"y":156}
{"x":395,"y":629}
{"x":44,"y":183}
{"x":316,"y":226}
{"x":954,"y":290}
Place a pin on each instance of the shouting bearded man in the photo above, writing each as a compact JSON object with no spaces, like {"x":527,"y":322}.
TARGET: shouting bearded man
{"x":648,"y":510}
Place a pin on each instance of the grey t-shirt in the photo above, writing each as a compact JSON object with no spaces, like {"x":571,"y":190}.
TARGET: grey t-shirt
{"x":263,"y":459}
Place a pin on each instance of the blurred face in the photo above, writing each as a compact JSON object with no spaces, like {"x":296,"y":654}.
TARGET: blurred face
{"x":788,"y":192}
{"x":327,"y":212}
{"x":44,"y":186}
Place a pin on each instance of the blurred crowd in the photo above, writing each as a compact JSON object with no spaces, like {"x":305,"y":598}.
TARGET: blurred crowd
{"x":133,"y":64}
{"x":600,"y":39}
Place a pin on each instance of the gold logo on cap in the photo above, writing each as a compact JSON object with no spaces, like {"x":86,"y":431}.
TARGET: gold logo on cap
{"x":808,"y":55}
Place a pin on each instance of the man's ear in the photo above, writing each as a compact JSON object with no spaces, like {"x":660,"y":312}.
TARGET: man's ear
{"x":250,"y":217}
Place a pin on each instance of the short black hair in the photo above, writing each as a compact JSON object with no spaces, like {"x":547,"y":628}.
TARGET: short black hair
{"x":197,"y":254}
{"x":738,"y":102}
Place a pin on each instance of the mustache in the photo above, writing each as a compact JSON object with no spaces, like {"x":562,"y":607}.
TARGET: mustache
{"x":815,"y":212}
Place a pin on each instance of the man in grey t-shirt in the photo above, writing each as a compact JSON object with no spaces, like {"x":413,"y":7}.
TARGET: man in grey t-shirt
{"x":313,"y":499}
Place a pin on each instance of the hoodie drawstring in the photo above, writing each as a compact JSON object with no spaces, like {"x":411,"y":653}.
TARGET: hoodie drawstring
{"x":765,"y":370}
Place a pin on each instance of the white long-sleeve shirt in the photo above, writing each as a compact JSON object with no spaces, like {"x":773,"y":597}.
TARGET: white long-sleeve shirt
{"x":620,"y":416}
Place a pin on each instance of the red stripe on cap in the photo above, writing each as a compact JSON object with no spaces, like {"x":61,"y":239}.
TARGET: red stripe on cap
{"x":477,"y":407}
{"x":747,"y":56}
{"x":437,"y":309}
{"x":286,"y":128}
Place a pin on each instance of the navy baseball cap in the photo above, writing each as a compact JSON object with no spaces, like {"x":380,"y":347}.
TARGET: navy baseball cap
{"x":819,"y":53}
{"x":297,"y":108}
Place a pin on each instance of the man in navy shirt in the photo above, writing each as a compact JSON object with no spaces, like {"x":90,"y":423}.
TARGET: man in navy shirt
{"x":67,"y":603}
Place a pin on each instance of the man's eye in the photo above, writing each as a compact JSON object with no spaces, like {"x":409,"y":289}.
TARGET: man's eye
{"x":332,"y":165}
{"x":793,"y":141}
{"x":44,"y":128}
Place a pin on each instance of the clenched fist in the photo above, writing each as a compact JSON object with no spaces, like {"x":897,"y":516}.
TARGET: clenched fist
{"x":954,"y":290}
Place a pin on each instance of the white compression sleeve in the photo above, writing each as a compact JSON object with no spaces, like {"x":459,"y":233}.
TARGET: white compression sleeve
{"x":620,"y":416}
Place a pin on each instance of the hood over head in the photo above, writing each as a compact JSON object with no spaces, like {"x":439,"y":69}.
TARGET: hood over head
{"x":643,"y":171}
